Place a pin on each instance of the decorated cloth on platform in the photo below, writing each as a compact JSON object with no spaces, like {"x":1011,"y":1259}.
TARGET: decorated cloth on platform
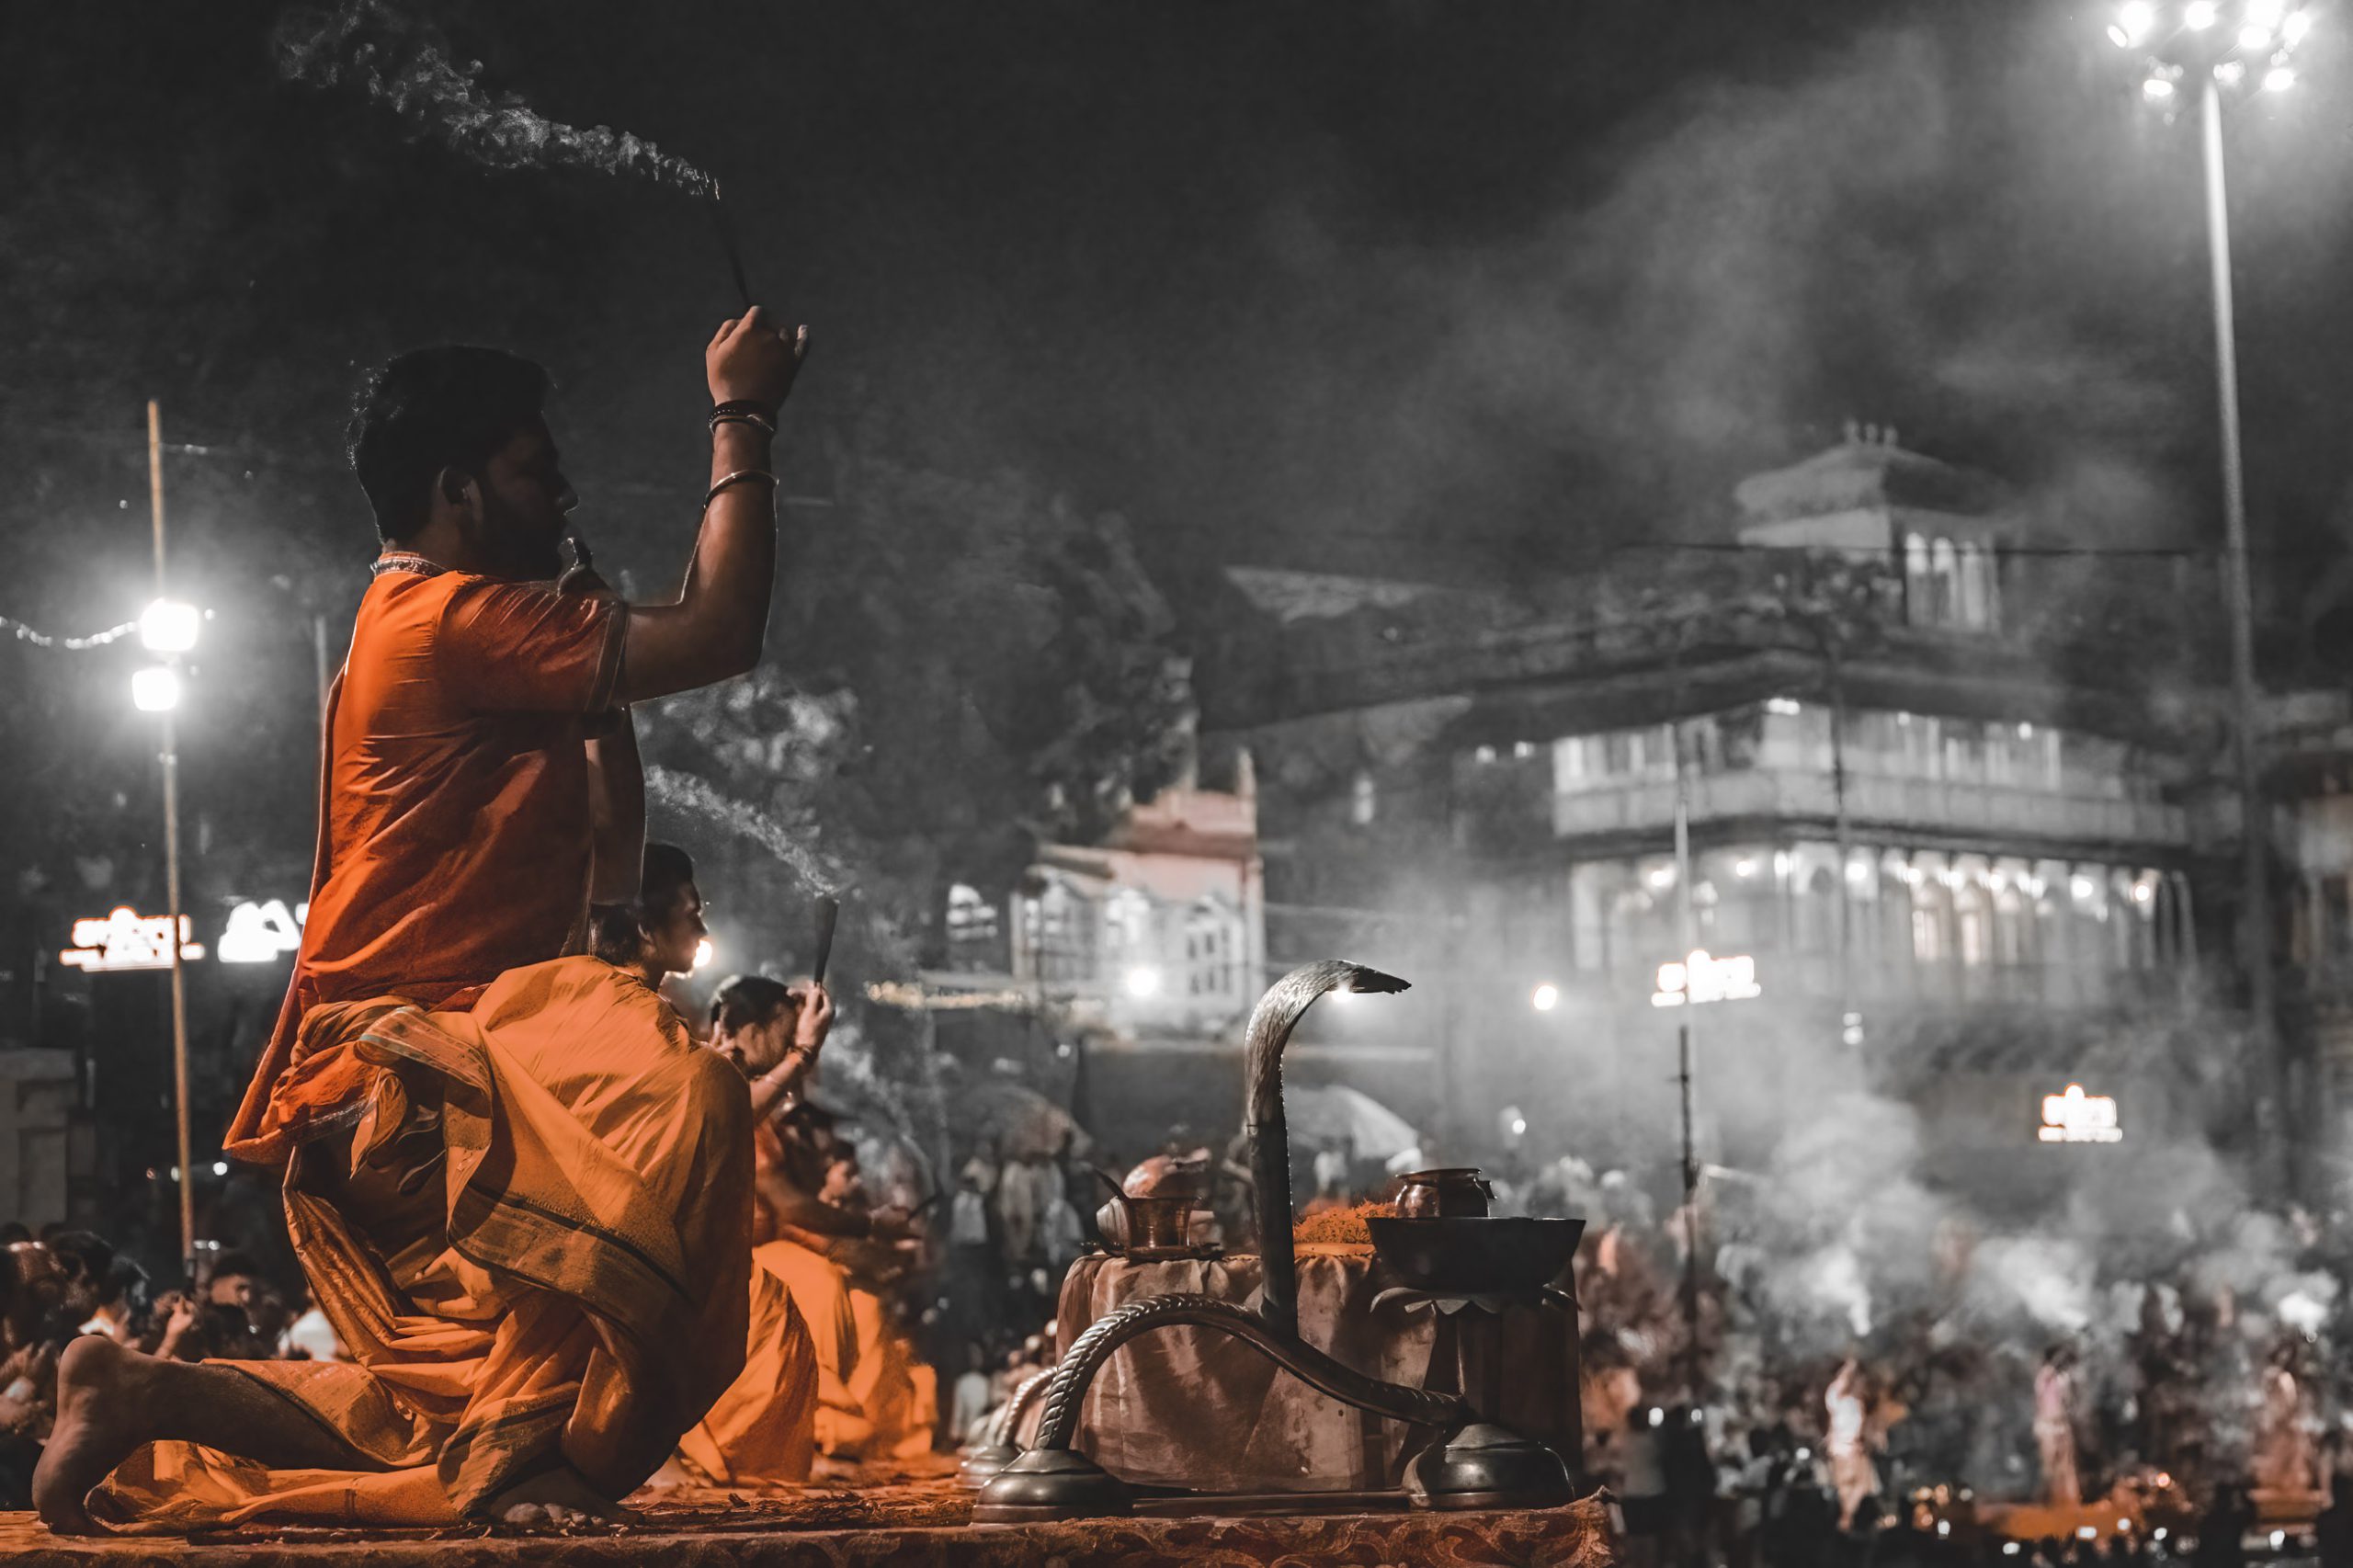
{"x":1195,"y":1408}
{"x":534,"y":1241}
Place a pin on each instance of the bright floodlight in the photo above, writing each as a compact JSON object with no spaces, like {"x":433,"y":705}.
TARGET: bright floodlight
{"x":1546,"y":998}
{"x":2266,"y":13}
{"x":2157,"y":89}
{"x":2133,"y":19}
{"x":154,"y":689}
{"x":1143,"y":982}
{"x":2296,"y":27}
{"x":169,"y":626}
{"x":704,"y":952}
{"x":2254,"y":38}
{"x":2278,"y":79}
{"x":2199,"y":15}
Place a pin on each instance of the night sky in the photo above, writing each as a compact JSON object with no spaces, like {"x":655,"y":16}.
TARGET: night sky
{"x":1400,"y":287}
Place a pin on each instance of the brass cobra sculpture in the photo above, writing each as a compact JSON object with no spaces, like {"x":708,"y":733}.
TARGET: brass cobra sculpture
{"x":1276,"y":1013}
{"x":1051,"y":1480}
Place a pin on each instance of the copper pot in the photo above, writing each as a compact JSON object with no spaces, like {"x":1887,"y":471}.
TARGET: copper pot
{"x":1146,"y":1224}
{"x":1454,"y":1192}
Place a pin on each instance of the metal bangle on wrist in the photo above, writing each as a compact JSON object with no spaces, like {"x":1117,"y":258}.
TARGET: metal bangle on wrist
{"x":741,"y":476}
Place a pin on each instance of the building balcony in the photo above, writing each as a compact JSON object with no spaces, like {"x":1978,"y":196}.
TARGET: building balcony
{"x":1928,"y":806}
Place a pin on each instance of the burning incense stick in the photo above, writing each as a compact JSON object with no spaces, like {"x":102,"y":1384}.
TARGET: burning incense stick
{"x":829,"y":909}
{"x":742,"y":288}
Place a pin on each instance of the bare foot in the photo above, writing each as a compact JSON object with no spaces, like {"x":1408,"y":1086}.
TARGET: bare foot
{"x":558,"y":1499}
{"x":670,"y":1476}
{"x":97,"y":1429}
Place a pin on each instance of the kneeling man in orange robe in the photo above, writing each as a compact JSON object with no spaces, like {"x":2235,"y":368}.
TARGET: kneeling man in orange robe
{"x":761,"y":1431}
{"x":520,"y":1190}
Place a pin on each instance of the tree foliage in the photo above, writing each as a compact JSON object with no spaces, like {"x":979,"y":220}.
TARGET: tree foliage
{"x":967,"y":666}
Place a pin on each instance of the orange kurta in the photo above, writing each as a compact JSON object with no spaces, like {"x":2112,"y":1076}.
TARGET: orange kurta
{"x":454,"y":828}
{"x":535,"y":1245}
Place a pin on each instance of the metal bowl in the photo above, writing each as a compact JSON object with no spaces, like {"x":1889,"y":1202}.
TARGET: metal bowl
{"x":1465,"y":1256}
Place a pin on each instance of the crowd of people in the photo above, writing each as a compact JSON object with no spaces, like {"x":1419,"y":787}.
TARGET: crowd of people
{"x":1781,"y":1415}
{"x":64,"y":1284}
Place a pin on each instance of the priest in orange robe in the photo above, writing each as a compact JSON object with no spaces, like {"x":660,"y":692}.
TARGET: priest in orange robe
{"x":519,"y":1190}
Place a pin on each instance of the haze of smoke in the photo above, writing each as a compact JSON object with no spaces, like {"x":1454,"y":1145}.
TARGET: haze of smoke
{"x":404,"y":62}
{"x":1762,"y":261}
{"x":695,"y":797}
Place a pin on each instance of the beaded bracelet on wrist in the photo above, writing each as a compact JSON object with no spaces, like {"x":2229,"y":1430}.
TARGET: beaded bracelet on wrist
{"x":741,"y":411}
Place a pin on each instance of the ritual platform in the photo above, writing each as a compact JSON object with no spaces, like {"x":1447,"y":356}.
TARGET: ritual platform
{"x":903,"y":1518}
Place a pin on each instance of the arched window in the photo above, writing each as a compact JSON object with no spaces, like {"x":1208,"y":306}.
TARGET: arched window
{"x":972,"y":919}
{"x":2010,"y":917}
{"x":1818,"y":912}
{"x":1944,"y":584}
{"x":1212,"y":942}
{"x":1972,"y":585}
{"x":1916,"y":578}
{"x":1973,"y":925}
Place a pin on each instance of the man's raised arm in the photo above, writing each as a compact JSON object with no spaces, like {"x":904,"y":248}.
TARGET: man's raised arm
{"x":714,"y":629}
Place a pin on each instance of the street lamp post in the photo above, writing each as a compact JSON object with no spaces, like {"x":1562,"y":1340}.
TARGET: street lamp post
{"x":2242,"y":47}
{"x":169,"y":629}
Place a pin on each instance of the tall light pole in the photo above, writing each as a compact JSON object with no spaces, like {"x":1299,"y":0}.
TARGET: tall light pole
{"x":1687,"y":929}
{"x":2213,"y":48}
{"x":168,"y":628}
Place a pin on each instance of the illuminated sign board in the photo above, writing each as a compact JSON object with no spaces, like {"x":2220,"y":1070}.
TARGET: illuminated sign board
{"x":262,"y":933}
{"x":126,"y":939}
{"x":1701,"y":979}
{"x":2078,"y":1118}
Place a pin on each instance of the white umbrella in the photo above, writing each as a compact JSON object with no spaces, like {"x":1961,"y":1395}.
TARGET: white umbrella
{"x":1339,"y":1114}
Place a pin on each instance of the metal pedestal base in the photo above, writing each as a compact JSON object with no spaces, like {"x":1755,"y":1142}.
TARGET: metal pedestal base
{"x":984,"y":1465}
{"x":1045,"y":1485}
{"x":1487,"y":1466}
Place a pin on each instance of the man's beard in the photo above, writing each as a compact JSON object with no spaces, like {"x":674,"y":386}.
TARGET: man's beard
{"x":514,"y":551}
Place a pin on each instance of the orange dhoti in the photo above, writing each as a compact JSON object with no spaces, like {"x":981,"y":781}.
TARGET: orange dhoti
{"x":820,"y":1289}
{"x":763,"y":1431}
{"x":871,"y":1402}
{"x":530,"y":1226}
{"x":896,"y":1408}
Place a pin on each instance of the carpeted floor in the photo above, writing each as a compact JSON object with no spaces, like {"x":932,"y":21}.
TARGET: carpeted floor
{"x":907,"y":1519}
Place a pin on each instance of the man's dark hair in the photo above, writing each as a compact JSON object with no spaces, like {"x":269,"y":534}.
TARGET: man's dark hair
{"x":81,"y":1254}
{"x":747,"y":1000}
{"x":236,"y":1265}
{"x":449,"y":407}
{"x":125,"y":1281}
{"x":617,"y":927}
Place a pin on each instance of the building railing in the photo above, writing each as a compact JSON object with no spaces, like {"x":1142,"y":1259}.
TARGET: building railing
{"x":1876,"y":981}
{"x":1925,"y":804}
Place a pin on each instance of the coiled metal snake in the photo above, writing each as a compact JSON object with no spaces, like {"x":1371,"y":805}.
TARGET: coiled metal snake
{"x":1312,"y":1366}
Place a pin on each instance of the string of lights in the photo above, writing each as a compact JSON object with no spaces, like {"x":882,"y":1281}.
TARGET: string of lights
{"x":39,"y":639}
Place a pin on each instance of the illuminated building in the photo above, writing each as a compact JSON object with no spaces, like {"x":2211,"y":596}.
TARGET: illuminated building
{"x":1938,"y":781}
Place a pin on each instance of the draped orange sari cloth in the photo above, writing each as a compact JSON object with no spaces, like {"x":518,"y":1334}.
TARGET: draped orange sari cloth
{"x":535,"y":1241}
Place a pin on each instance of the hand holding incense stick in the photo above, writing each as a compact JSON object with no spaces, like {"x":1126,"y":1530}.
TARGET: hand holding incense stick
{"x":726,"y":224}
{"x":829,"y":909}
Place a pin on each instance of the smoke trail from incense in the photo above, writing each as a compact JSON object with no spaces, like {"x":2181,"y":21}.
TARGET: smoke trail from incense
{"x":406,"y":64}
{"x":687,"y":793}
